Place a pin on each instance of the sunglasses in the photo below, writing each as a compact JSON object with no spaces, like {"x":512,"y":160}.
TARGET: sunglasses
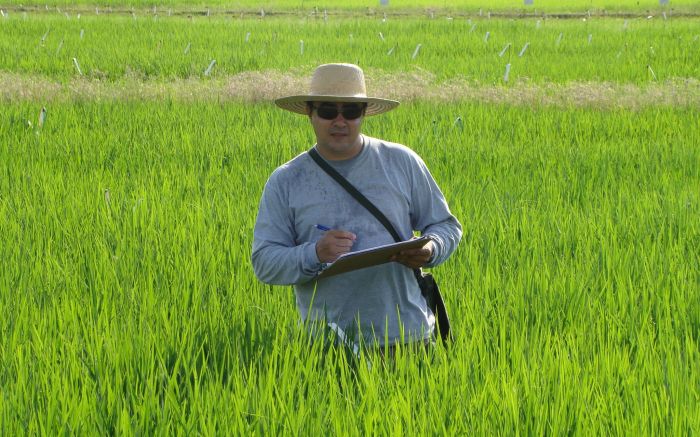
{"x":329,"y":111}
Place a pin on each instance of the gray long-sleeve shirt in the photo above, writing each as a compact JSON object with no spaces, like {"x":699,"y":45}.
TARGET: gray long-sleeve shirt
{"x":377,"y":303}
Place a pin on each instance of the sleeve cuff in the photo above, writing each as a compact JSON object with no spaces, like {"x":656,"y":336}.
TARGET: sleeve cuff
{"x":311,"y":265}
{"x":437,"y":250}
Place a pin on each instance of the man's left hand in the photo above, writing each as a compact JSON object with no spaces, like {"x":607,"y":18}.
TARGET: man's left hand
{"x":415,"y":258}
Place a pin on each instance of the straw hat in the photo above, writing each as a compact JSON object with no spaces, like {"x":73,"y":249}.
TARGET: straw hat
{"x":337,"y":83}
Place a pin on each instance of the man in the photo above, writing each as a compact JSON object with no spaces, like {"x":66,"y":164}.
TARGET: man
{"x":306,"y":219}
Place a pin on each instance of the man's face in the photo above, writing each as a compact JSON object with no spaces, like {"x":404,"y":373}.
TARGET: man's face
{"x":337,"y":128}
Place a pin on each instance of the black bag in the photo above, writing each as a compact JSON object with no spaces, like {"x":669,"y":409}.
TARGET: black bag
{"x":431,"y":292}
{"x":428,"y":287}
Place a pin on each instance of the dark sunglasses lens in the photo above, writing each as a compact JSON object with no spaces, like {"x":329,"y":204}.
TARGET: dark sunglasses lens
{"x":350,"y":112}
{"x":327,"y":112}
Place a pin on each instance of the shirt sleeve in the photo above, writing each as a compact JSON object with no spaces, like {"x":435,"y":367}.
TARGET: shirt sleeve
{"x":277,"y":258}
{"x":431,"y":215}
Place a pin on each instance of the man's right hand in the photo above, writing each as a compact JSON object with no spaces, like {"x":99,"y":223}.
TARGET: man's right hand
{"x":333,"y":244}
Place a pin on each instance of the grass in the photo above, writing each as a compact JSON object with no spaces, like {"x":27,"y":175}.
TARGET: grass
{"x":112,"y":49}
{"x":392,"y":6}
{"x":129,"y":304}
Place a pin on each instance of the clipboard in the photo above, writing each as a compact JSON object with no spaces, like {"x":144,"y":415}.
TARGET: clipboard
{"x":370,"y":257}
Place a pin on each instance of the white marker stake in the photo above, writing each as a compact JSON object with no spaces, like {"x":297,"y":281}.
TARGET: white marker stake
{"x":522,"y":52}
{"x":77,"y":66}
{"x":652,"y":72}
{"x":664,"y":15}
{"x":262,"y":13}
{"x":247,"y":37}
{"x":561,"y":35}
{"x":503,"y":52}
{"x":384,"y":19}
{"x":207,"y":72}
{"x":3,"y":13}
{"x":187,"y":48}
{"x":43,"y":38}
{"x":301,"y":46}
{"x":97,"y":11}
{"x":381,"y":36}
{"x":486,"y":37}
{"x":415,"y":52}
{"x":391,"y":50}
{"x":325,"y":15}
{"x":505,"y":76}
{"x":590,"y":38}
{"x":42,"y":117}
{"x":82,"y":33}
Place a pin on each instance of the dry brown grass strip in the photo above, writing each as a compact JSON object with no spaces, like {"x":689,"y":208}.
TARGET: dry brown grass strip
{"x":410,"y":86}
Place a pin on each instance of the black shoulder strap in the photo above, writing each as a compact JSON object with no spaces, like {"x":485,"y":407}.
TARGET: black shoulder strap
{"x":360,"y":198}
{"x":355,"y":193}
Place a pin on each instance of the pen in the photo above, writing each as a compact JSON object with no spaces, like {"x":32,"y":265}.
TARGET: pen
{"x":322,"y":228}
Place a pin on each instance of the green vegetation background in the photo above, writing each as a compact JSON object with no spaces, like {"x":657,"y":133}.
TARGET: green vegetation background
{"x":127,"y":300}
{"x":276,"y":6}
{"x":129,"y":304}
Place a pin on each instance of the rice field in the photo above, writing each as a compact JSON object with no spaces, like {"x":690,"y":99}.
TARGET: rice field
{"x":365,"y":6}
{"x":637,"y":51}
{"x":128,"y":301}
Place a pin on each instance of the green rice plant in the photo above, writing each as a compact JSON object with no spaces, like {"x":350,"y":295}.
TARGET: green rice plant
{"x":640,"y":51}
{"x":129,"y":304}
{"x":390,"y":6}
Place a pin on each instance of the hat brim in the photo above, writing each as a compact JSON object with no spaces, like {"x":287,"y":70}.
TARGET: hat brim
{"x":375,"y":105}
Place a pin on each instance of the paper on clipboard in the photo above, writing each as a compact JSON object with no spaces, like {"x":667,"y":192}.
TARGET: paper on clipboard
{"x":370,"y":257}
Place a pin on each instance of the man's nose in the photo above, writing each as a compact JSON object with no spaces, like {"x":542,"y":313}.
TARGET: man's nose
{"x":340,"y":116}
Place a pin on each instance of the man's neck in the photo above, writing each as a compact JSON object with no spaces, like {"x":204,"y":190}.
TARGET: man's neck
{"x":331,"y":155}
